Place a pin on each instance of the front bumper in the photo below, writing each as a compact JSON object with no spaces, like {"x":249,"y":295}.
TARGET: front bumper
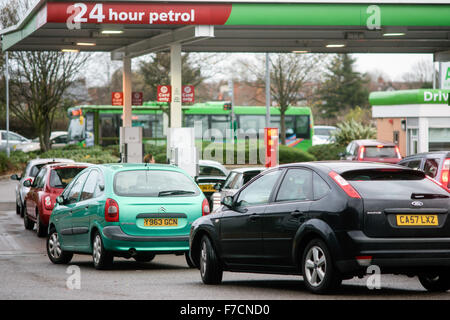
{"x":395,"y":254}
{"x":116,"y":240}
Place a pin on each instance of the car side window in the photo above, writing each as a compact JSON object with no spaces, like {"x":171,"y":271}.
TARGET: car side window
{"x":89,"y":186}
{"x":413,"y":164}
{"x":75,"y":191}
{"x":431,"y":167}
{"x":320,"y":187}
{"x":296,"y":185}
{"x":258,"y":192}
{"x":100,"y":185}
{"x":229,"y":181}
{"x":39,"y":180}
{"x":210,"y":171}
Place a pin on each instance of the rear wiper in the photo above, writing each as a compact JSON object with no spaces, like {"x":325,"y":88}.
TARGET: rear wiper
{"x":174,"y":193}
{"x":427,"y":196}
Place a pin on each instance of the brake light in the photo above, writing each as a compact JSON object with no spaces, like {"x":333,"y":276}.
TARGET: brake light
{"x":349,"y":190}
{"x":397,"y":150}
{"x":111,"y":211}
{"x":205,"y":207}
{"x":380,"y":146}
{"x":48,"y":205}
{"x":361,"y":152}
{"x":445,"y":174}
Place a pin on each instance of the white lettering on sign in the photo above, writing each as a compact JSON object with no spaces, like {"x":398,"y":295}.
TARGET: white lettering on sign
{"x":435,"y":97}
{"x":171,"y":16}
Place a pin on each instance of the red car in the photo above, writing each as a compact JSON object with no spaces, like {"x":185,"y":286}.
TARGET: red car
{"x":372,"y":150}
{"x":48,"y":184}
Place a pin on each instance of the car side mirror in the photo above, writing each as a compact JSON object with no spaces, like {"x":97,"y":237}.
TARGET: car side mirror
{"x":218,"y":186}
{"x":60,"y":200}
{"x":227,"y":202}
{"x":15,"y":177}
{"x":27,"y":183}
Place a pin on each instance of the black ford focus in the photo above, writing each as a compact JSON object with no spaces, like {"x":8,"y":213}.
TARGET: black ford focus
{"x":329,"y":221}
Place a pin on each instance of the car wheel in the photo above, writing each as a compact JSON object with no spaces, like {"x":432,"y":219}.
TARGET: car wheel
{"x":435,"y":282}
{"x":29,"y":224}
{"x":17,"y":208}
{"x":103,"y":259}
{"x":210,"y":267}
{"x":144,"y":258}
{"x":319,"y":274}
{"x":41,"y":229}
{"x":188,"y":260}
{"x":54,"y":251}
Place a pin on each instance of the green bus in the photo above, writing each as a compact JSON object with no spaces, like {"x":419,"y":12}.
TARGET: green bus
{"x":103,"y":121}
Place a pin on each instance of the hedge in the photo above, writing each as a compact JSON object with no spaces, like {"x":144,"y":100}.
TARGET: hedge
{"x":326,"y":151}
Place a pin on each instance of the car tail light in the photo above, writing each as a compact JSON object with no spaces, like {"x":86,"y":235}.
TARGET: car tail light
{"x":397,"y":150}
{"x":111,"y":211}
{"x":349,"y":190}
{"x":48,"y":205}
{"x":361,"y":153}
{"x":205,"y":207}
{"x":445,"y":174}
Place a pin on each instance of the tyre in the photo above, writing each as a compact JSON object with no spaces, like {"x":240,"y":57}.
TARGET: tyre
{"x":435,"y":282}
{"x":41,"y":229}
{"x":188,"y":260}
{"x":54,"y":251}
{"x":144,"y":258}
{"x":29,"y":224}
{"x":210,"y":267}
{"x":102,"y":258}
{"x":319,"y":274}
{"x":17,"y":209}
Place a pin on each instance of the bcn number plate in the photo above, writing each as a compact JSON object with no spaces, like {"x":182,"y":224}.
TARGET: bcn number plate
{"x":160,"y":222}
{"x":417,"y":220}
{"x":207,"y":188}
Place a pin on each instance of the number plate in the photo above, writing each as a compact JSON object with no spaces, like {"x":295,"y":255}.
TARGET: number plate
{"x":161,"y":222}
{"x":417,"y":220}
{"x":207,"y":188}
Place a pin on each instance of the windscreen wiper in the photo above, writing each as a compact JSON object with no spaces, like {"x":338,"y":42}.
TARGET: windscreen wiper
{"x":174,"y":193}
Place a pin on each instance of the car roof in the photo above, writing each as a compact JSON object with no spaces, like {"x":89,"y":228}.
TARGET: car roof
{"x":340,"y":166}
{"x":424,"y":154}
{"x":371,"y":142}
{"x":127,"y":166}
{"x":68,"y":165}
{"x":247,"y":169}
{"x":49,"y":160}
{"x":325,"y":127}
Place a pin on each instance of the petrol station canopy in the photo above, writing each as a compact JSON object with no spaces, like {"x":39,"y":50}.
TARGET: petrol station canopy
{"x":133,"y":28}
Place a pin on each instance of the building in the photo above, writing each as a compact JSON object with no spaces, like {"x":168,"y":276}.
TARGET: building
{"x":416,"y":120}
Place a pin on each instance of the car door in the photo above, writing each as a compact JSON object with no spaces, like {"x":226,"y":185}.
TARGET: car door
{"x":65,"y":211}
{"x":32,"y":198}
{"x":241,"y":226}
{"x":283,"y":216}
{"x":85,"y":209}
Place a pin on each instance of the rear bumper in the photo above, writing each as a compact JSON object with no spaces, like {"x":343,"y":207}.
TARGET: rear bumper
{"x":395,"y":254}
{"x":117,"y":240}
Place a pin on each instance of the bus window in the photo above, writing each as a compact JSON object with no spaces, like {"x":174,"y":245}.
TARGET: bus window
{"x":252,"y":122}
{"x":221,"y":123}
{"x":191,"y":119}
{"x":302,"y":127}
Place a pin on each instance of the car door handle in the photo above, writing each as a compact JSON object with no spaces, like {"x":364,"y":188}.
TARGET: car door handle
{"x":297,"y":214}
{"x":254,"y":217}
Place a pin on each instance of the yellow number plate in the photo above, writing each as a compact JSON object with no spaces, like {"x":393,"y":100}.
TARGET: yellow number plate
{"x":417,"y":220}
{"x":207,"y":188}
{"x":161,"y":222}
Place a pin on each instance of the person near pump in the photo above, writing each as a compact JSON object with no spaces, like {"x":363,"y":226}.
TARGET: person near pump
{"x":149,"y":158}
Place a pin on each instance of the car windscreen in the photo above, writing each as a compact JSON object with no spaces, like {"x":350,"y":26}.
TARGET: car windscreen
{"x":153,"y":183}
{"x":323,"y":131}
{"x":393,"y":183}
{"x":35,"y":169}
{"x":61,"y":177}
{"x":380,"y":152}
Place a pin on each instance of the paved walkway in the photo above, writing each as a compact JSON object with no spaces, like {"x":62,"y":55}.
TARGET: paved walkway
{"x":7,"y":193}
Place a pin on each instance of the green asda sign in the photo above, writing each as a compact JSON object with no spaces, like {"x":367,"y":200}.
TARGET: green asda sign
{"x":419,"y":96}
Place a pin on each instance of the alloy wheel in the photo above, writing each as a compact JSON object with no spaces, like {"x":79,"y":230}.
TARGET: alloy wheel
{"x":54,"y":246}
{"x":315,"y":266}
{"x":203,"y":259}
{"x":97,"y":252}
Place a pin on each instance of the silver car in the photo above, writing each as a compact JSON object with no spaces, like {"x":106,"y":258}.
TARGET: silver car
{"x":14,"y":140}
{"x":30,"y":173}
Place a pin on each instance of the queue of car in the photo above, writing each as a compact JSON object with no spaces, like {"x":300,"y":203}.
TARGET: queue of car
{"x":327,"y":221}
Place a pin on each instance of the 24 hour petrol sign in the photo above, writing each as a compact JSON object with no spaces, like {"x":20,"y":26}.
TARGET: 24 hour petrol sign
{"x":137,"y":13}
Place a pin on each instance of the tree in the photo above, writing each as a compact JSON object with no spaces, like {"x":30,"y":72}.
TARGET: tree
{"x":343,"y":88}
{"x":288,"y":75}
{"x":420,"y":76}
{"x":38,"y":80}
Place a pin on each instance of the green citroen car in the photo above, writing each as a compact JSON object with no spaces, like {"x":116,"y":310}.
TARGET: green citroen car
{"x":125,"y":210}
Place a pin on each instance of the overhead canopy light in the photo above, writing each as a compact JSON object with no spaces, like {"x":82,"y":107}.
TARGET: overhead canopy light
{"x":88,"y":44}
{"x":110,"y":31}
{"x":70,"y":50}
{"x":394,"y":34}
{"x":336,"y":45}
{"x":300,"y":51}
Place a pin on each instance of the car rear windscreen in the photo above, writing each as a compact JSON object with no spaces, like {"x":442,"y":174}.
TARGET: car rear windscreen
{"x":153,"y":183}
{"x":393,"y":184}
{"x":60,"y":178}
{"x":380,"y":152}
